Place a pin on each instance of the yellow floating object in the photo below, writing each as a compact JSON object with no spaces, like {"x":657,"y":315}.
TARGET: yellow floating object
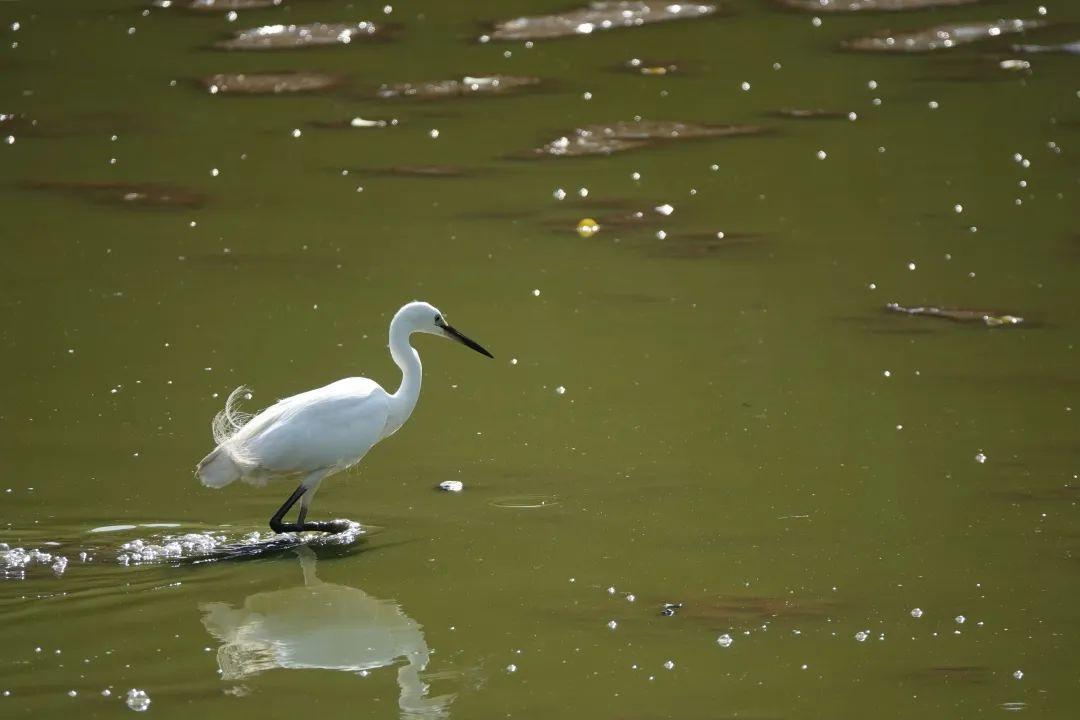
{"x":660,"y":70}
{"x":588,"y":227}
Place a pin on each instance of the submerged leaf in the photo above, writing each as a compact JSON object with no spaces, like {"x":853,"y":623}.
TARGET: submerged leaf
{"x":148,"y":195}
{"x":269,"y":83}
{"x":809,"y":114}
{"x":595,"y":17}
{"x":939,"y":37}
{"x":291,"y":37}
{"x":214,"y":6}
{"x":466,"y":86}
{"x":620,"y":136}
{"x":1071,"y":48}
{"x":989,"y":318}
{"x":845,"y":6}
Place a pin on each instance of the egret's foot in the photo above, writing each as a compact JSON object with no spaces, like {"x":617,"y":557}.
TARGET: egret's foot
{"x":326,"y":526}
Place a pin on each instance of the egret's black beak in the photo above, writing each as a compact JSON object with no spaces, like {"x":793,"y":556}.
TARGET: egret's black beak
{"x":451,"y":332}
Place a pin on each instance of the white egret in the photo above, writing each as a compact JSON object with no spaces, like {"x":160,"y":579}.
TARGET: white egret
{"x":323,"y":431}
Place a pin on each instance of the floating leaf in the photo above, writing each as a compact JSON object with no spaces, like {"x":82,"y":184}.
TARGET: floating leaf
{"x":147,"y":195}
{"x":650,"y":68}
{"x":269,"y":83}
{"x":355,"y":123}
{"x":939,"y":37}
{"x":846,"y":6}
{"x":466,"y":86}
{"x":989,"y":318}
{"x":291,"y":37}
{"x":620,"y":136}
{"x":595,"y":17}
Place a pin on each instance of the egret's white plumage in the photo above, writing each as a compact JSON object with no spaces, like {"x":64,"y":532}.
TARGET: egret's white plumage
{"x":322,"y":431}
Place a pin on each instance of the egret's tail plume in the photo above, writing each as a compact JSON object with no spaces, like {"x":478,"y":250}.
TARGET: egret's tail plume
{"x":230,"y":420}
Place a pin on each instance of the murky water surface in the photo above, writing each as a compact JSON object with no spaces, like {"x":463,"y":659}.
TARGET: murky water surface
{"x":709,"y":475}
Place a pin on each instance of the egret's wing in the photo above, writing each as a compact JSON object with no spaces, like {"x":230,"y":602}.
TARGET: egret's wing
{"x":331,"y":426}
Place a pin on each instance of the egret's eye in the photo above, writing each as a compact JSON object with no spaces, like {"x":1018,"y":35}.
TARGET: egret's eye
{"x":438,"y":318}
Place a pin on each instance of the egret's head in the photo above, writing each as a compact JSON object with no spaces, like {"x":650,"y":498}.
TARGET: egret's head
{"x":426,"y":318}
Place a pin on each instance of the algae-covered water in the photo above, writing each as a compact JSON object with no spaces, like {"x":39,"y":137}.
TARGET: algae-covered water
{"x":708,"y":475}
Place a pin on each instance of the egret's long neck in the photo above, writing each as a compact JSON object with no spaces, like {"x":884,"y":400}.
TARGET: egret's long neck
{"x":404,"y":400}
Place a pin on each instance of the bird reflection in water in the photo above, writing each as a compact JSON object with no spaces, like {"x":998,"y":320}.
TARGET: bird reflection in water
{"x":325,"y":626}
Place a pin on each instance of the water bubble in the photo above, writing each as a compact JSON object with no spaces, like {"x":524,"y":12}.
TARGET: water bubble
{"x":724,"y":641}
{"x":933,"y":105}
{"x":231,"y":16}
{"x":137,"y":700}
{"x":852,"y":116}
{"x":560,"y":390}
{"x":536,"y":292}
{"x":980,"y":457}
{"x":296,"y":132}
{"x":1019,"y":674}
{"x":455,"y":486}
{"x":630,"y":597}
{"x":821,"y":155}
{"x":559,"y":194}
{"x":72,"y":693}
{"x":816,"y":22}
{"x":958,"y":208}
{"x":511,"y":668}
{"x":611,"y":591}
{"x":745,"y":87}
{"x":214,"y":172}
{"x":612,"y":624}
{"x":586,"y":96}
{"x":669,"y":665}
{"x":887,"y":373}
{"x":872,"y":84}
{"x":434,"y":133}
{"x":960,"y":619}
{"x":661,"y":234}
{"x":583,"y":192}
{"x":862,"y":635}
{"x":664,"y":209}
{"x":916,"y":613}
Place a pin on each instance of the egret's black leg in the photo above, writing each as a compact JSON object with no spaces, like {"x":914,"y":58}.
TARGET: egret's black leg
{"x":275,"y":522}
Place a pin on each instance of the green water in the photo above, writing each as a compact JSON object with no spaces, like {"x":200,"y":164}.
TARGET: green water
{"x":728,"y":438}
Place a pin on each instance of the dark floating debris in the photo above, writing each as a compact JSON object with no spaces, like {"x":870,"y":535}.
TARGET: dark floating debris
{"x":423,"y":171}
{"x":810,"y":114}
{"x":595,"y":17}
{"x":669,"y":609}
{"x":292,"y":37}
{"x":215,"y":6}
{"x":701,"y":245}
{"x":466,"y":86}
{"x":621,"y":136}
{"x":269,"y":83}
{"x":939,"y":37}
{"x":986,"y":317}
{"x":851,"y":6}
{"x":144,"y":195}
{"x":1071,"y":48}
